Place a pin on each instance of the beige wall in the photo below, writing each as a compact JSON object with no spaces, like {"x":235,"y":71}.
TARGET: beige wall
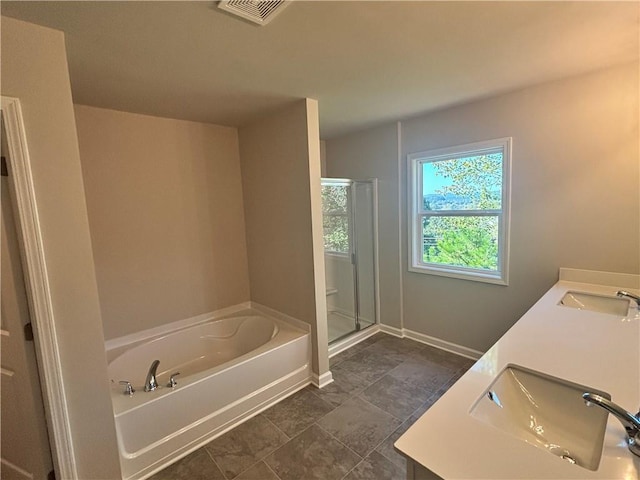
{"x":367,"y":154}
{"x":34,"y":69}
{"x":164,"y":199}
{"x":280,"y":158}
{"x":575,"y":195}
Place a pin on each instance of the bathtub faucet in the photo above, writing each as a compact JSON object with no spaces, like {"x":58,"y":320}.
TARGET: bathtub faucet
{"x":150,"y":384}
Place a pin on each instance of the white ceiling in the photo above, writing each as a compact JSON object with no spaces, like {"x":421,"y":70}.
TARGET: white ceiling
{"x":366,"y":62}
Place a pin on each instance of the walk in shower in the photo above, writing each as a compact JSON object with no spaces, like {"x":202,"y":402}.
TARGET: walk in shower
{"x":349,"y":227}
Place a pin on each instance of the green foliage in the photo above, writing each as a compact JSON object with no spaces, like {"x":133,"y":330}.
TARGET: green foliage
{"x":336,"y":234}
{"x":334,"y":199}
{"x":335,"y":218}
{"x":461,"y":241}
{"x":477,"y":178}
{"x":466,"y":241}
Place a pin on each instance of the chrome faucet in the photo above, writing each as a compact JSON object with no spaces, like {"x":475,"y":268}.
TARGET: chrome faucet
{"x":150,"y":384}
{"x":630,"y":422}
{"x":635,"y":298}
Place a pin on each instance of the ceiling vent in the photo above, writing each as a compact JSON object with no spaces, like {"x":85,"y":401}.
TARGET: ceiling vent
{"x":257,"y":11}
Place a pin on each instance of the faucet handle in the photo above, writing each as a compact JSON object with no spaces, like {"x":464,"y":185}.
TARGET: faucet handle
{"x":172,"y":381}
{"x":128,"y":388}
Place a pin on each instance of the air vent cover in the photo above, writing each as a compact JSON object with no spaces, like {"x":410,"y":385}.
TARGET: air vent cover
{"x":257,"y":11}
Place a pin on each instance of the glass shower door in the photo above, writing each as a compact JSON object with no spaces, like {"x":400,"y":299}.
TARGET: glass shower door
{"x":349,"y":244}
{"x":363,"y":260}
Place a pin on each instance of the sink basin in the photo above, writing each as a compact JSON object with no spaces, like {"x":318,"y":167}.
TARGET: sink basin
{"x":597,"y":303}
{"x":546,"y":412}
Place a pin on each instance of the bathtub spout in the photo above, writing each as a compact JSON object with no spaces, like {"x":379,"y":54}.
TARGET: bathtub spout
{"x":151,"y":383}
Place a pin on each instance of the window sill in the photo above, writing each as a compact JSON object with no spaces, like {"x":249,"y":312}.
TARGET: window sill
{"x":474,"y":276}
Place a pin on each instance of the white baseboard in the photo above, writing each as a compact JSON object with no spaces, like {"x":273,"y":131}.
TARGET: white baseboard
{"x":443,"y":345}
{"x":405,"y":333}
{"x":323,"y":380}
{"x":432,"y":341}
{"x":396,"y":332}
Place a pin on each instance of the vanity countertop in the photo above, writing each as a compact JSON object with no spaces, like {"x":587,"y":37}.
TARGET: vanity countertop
{"x":595,"y":349}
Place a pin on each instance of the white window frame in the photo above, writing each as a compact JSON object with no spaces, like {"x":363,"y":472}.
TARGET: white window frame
{"x":416,"y":211}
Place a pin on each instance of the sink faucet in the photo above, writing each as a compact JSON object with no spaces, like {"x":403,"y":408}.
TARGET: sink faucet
{"x":630,"y":422}
{"x":635,"y":298}
{"x":150,"y":384}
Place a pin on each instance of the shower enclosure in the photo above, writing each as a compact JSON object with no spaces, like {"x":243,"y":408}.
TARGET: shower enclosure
{"x":348,"y":208}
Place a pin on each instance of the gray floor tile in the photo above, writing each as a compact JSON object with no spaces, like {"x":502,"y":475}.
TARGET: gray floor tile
{"x":359,"y":425}
{"x":334,"y":393}
{"x":294,"y":414}
{"x":376,"y":467}
{"x":313,"y":454}
{"x":336,"y":359}
{"x":260,"y":471}
{"x":373,"y":339}
{"x":367,"y":342}
{"x":349,"y":381}
{"x":424,"y":374}
{"x":395,"y":348}
{"x":195,"y":466}
{"x":386,"y":447}
{"x":447,"y":385}
{"x":444,"y":358}
{"x":240,"y":448}
{"x":369,"y":365}
{"x":394,"y":396}
{"x":334,"y":428}
{"x":423,"y":408}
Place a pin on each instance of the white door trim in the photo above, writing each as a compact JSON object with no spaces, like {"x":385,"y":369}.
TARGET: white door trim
{"x":38,"y":292}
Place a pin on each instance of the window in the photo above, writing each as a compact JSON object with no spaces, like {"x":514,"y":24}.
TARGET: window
{"x":335,"y":217}
{"x":459,"y":211}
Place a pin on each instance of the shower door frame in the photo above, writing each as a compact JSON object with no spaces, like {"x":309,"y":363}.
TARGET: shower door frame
{"x":353,"y":255}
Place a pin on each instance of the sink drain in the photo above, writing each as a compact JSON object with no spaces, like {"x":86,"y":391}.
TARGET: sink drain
{"x":569,"y":459}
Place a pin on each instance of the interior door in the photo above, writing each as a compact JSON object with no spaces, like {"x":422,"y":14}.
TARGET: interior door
{"x":24,"y":445}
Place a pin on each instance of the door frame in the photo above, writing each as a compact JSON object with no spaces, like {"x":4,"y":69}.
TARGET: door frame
{"x":38,"y":291}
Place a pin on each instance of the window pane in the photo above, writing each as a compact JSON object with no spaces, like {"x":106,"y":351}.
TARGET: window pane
{"x":335,"y":219}
{"x":334,"y":198}
{"x":336,"y":233}
{"x":465,"y":183}
{"x":461,"y":241}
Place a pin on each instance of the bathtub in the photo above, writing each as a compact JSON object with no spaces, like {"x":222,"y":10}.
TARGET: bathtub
{"x":230,"y":369}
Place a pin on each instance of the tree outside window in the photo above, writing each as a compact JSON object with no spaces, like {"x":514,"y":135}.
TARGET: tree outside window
{"x":335,"y":218}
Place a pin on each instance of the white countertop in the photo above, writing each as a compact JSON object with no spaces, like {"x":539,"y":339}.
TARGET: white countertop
{"x":594,"y":349}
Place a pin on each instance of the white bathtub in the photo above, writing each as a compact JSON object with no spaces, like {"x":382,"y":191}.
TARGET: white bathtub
{"x":230,"y":369}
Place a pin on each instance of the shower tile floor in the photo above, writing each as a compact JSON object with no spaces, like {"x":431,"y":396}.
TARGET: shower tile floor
{"x":344,"y":431}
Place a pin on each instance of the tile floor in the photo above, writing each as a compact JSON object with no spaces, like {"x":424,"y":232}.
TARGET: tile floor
{"x":344,"y":431}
